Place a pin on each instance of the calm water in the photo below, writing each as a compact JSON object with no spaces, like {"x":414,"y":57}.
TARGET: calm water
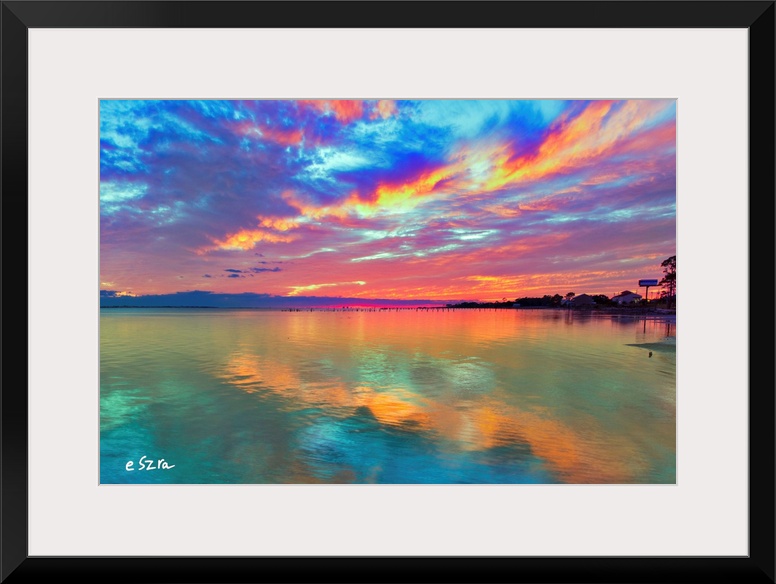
{"x":462,"y":396}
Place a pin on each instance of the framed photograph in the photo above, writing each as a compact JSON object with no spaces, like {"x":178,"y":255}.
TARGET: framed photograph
{"x":323,"y":302}
{"x":345,"y":320}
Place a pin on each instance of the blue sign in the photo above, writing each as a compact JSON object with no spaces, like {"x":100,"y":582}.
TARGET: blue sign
{"x":647,"y":282}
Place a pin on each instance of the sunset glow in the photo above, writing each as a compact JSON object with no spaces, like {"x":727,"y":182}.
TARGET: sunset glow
{"x":428,"y":200}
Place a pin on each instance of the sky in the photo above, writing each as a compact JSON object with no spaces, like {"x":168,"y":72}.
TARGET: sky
{"x":426,"y":201}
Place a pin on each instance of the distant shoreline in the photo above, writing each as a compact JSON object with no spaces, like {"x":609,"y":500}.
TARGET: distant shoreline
{"x":587,"y":310}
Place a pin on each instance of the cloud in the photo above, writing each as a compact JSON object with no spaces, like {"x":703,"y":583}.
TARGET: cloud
{"x":260,"y":270}
{"x":344,"y":110}
{"x":295,"y":290}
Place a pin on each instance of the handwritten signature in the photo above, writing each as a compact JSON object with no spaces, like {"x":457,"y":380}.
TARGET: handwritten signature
{"x":146,"y":463}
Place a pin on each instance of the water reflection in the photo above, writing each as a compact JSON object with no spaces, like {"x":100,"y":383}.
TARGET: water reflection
{"x":402,"y":397}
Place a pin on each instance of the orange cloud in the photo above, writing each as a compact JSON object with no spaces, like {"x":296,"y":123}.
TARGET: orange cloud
{"x":305,"y":207}
{"x":246,"y":239}
{"x":504,"y":211}
{"x":122,"y":293}
{"x":385,"y":108}
{"x":473,"y":171}
{"x":552,"y":203}
{"x":390,"y":197}
{"x":345,"y":110}
{"x":600,"y":179}
{"x":572,"y":143}
{"x":277,"y":135}
{"x":283,"y":137}
{"x":651,"y":140}
{"x":278,"y":223}
{"x":405,"y":196}
{"x":543,"y":204}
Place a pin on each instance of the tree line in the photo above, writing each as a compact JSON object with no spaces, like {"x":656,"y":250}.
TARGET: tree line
{"x":667,"y":295}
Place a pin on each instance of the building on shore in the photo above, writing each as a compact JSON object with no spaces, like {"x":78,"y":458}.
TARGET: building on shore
{"x":626,"y":297}
{"x":582,"y":300}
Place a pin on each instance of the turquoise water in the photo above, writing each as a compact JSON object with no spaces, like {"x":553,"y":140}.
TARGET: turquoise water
{"x":390,"y":397}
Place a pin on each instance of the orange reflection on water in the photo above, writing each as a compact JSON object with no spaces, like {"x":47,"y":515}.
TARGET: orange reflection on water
{"x":251,"y":373}
{"x":576,"y":458}
{"x":399,"y":407}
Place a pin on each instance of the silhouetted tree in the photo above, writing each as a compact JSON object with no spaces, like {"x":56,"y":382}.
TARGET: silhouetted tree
{"x":533,"y":302}
{"x":669,"y":280}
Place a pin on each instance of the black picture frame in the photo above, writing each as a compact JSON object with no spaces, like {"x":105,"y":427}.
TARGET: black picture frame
{"x":757,"y":16}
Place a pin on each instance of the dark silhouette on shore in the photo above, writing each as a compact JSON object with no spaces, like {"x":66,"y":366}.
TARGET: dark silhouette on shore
{"x":665,"y":301}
